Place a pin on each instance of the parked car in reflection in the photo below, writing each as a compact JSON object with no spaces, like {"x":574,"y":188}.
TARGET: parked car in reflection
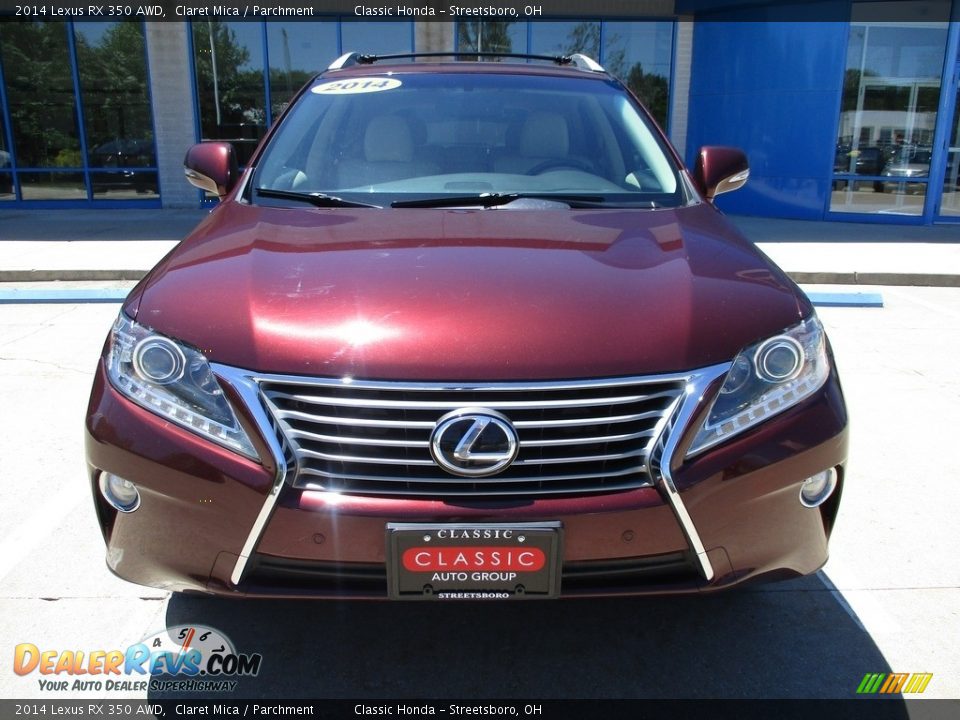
{"x":123,"y":162}
{"x":910,"y":162}
{"x":859,"y":161}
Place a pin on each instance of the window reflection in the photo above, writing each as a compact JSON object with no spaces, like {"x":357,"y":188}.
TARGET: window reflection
{"x":492,"y":37}
{"x":6,"y":163}
{"x":564,"y":38}
{"x":229,"y":74}
{"x":36,"y":62}
{"x":53,"y":186}
{"x":380,"y":38}
{"x":888,"y":117}
{"x":296,"y":52}
{"x":950,"y":197}
{"x":118,"y":122}
{"x":640,"y":55}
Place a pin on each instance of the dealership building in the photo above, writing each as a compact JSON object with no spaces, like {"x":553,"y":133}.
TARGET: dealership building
{"x":847,"y":110}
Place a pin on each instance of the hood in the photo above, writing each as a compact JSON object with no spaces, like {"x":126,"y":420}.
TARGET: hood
{"x":468,"y":295}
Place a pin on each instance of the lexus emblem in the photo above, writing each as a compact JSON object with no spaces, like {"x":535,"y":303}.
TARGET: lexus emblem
{"x":474,"y":442}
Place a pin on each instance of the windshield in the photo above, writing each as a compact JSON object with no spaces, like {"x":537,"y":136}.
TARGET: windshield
{"x":405,"y":138}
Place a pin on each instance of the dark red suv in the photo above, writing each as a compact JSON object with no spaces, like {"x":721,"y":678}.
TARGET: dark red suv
{"x":465,"y":330}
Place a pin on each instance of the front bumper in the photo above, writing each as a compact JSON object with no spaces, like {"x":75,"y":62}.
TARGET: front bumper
{"x":728,"y":516}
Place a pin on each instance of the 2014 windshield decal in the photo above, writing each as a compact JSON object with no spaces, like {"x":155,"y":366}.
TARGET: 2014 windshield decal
{"x":356,"y":87}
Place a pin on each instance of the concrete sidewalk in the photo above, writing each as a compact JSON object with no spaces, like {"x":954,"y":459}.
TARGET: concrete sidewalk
{"x":106,"y":245}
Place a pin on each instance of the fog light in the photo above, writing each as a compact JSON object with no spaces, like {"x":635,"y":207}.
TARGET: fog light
{"x":121,"y":494}
{"x":816,"y":489}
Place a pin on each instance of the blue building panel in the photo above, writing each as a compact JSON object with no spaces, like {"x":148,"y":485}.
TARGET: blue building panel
{"x":773,"y":89}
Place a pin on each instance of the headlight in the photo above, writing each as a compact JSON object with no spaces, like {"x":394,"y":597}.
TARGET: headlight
{"x":766,"y":379}
{"x":175,"y":382}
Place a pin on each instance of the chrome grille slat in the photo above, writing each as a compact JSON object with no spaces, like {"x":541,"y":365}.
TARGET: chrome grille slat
{"x":304,"y":453}
{"x":581,"y":459}
{"x":584,"y":422}
{"x":454,"y":405}
{"x":373,"y":438}
{"x":364,"y":422}
{"x":588,"y":440}
{"x":345,"y":440}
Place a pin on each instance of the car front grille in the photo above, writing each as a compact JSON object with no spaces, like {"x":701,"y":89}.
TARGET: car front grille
{"x":373,"y":438}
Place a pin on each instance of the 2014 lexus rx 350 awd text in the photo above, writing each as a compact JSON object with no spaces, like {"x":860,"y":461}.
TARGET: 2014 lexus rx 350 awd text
{"x":465,"y":330}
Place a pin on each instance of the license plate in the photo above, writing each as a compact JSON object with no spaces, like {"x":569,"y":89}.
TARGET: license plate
{"x":473,"y":561}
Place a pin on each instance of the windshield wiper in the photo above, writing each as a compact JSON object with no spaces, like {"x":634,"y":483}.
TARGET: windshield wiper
{"x":494,"y":199}
{"x":317,"y":199}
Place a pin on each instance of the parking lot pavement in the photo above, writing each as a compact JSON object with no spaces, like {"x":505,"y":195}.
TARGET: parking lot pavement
{"x":888,"y":600}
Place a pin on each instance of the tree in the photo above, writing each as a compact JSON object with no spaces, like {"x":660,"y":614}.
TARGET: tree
{"x":481,"y":36}
{"x":40,"y":93}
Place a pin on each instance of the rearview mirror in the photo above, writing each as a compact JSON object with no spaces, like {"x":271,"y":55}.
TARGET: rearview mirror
{"x":720,"y":170}
{"x":212,"y":166}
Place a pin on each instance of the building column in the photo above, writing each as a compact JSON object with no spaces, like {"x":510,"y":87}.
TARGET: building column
{"x":171,"y":97}
{"x":433,"y":37}
{"x":680,"y":91}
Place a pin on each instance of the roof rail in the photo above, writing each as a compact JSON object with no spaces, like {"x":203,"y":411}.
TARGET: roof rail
{"x":345,"y":60}
{"x":585,"y":62}
{"x":578,"y":60}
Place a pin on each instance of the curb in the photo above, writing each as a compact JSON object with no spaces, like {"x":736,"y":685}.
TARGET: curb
{"x":69,"y":275}
{"x":876,"y":278}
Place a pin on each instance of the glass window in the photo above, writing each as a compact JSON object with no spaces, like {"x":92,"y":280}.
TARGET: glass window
{"x":117,"y":115}
{"x":950,"y":198}
{"x":229,"y":74}
{"x":493,"y":37}
{"x":40,"y":93}
{"x":53,"y":186}
{"x":296,"y":52}
{"x":888,"y":116}
{"x":6,"y":163}
{"x":435,"y":137}
{"x":381,"y":38}
{"x":640,"y":55}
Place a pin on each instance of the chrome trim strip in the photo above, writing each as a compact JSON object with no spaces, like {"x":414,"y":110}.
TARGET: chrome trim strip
{"x":442,"y":481}
{"x":428,"y":425}
{"x":455,"y":405}
{"x":613,"y":487}
{"x":444,"y":387}
{"x":246,"y":386}
{"x":686,"y":405}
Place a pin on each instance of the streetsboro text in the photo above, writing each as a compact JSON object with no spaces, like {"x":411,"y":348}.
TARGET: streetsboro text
{"x":452,"y":10}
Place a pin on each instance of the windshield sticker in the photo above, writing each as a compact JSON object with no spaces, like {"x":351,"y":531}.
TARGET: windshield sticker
{"x":355,"y":87}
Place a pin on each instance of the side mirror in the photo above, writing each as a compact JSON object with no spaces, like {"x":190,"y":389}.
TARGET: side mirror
{"x":212,"y":166}
{"x":720,"y":170}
